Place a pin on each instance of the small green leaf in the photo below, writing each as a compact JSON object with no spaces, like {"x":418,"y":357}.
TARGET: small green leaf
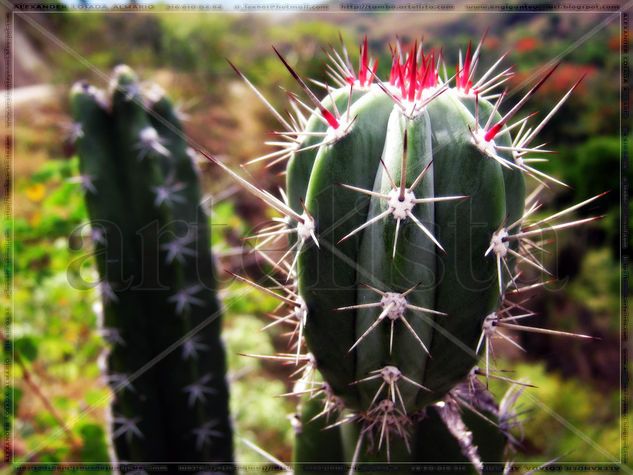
{"x":26,"y":348}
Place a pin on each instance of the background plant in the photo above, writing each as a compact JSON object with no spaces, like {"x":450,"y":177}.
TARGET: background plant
{"x":157,"y":281}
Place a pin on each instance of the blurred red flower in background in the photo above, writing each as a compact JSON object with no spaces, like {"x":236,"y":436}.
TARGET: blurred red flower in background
{"x":562,"y":79}
{"x":525,"y":45}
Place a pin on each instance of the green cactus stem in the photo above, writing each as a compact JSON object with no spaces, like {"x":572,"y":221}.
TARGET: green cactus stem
{"x":166,"y":361}
{"x":315,"y":442}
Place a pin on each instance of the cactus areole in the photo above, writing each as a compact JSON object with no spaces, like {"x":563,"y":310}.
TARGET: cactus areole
{"x":406,"y":212}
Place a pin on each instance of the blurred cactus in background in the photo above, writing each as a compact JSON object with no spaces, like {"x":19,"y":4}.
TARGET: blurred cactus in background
{"x":166,"y":362}
{"x":409,"y":234}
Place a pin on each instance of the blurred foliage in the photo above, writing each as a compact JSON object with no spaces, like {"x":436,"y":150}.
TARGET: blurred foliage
{"x":194,"y":45}
{"x":259,"y":412}
{"x":55,"y":322}
{"x":596,"y":286}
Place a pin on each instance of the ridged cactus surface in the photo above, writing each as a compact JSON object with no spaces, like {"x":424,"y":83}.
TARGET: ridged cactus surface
{"x":409,"y":257}
{"x":407,"y":218}
{"x":166,"y":362}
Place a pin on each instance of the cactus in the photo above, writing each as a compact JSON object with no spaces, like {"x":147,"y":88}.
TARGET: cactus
{"x":166,"y":362}
{"x":319,"y":441}
{"x":407,"y":217}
